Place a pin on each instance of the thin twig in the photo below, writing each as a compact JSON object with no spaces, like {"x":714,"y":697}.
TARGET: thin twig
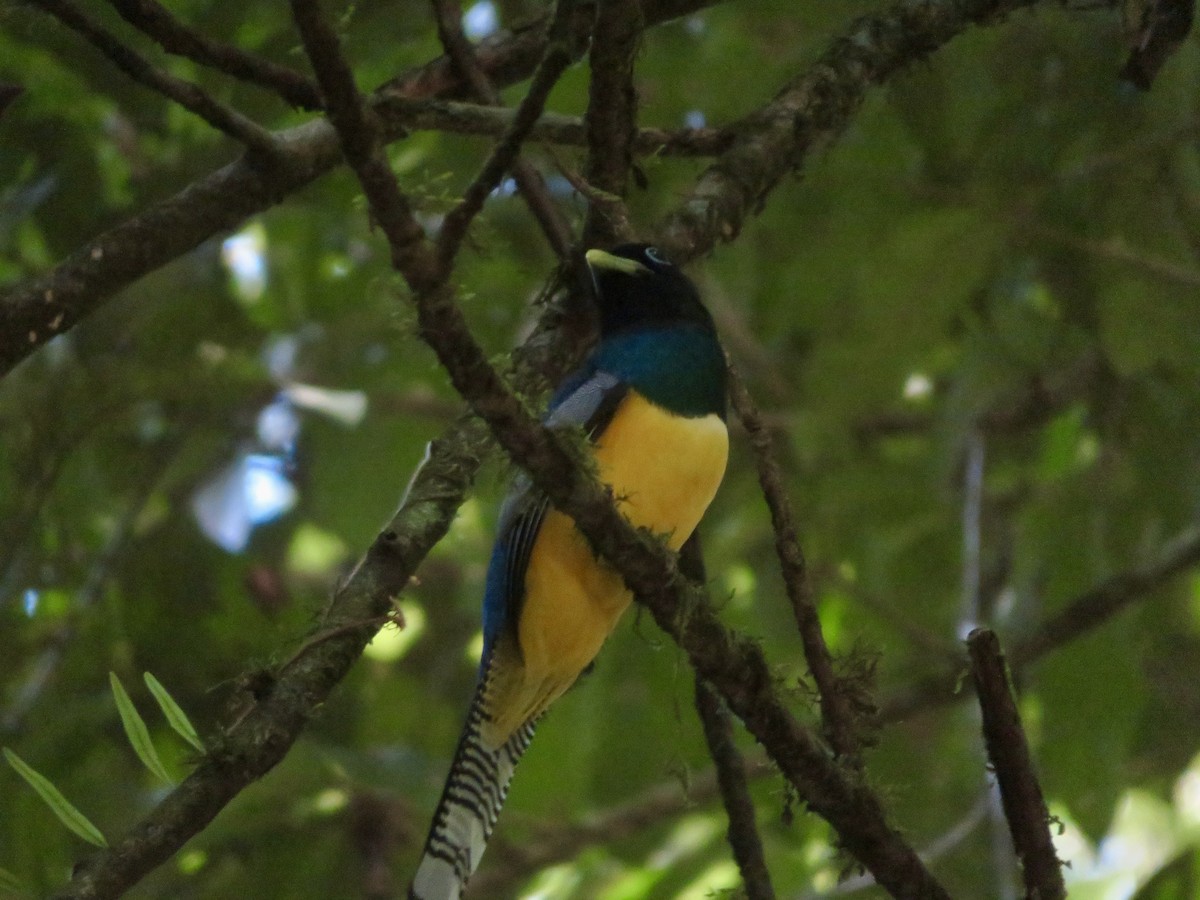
{"x":190,"y":96}
{"x":1024,"y":805}
{"x":843,"y":703}
{"x":156,"y":21}
{"x":563,"y":842}
{"x":509,"y":56}
{"x":611,"y":118}
{"x":457,"y":117}
{"x":1118,"y":250}
{"x":530,"y":183}
{"x":549,"y":70}
{"x":944,"y":843}
{"x":358,"y":133}
{"x":1087,"y":612}
{"x":742,"y":834}
{"x":1101,"y":603}
{"x":970,"y":612}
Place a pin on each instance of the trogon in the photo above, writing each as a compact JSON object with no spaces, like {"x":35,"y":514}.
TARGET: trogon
{"x":651,"y":399}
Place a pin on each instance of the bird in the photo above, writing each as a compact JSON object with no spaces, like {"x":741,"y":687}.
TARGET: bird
{"x":651,"y":399}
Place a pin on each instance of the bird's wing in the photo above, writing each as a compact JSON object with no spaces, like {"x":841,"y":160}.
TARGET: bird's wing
{"x":589,"y":400}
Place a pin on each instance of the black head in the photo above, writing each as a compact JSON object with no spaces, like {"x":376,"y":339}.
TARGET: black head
{"x":637,"y":287}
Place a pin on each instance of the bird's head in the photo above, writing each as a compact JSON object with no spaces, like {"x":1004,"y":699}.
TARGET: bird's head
{"x":637,"y":287}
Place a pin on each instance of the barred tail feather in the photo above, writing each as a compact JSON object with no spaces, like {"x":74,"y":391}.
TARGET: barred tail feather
{"x":471,"y":800}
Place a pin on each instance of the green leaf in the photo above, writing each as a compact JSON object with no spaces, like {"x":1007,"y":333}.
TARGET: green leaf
{"x":136,"y":730}
{"x":59,"y":805}
{"x":176,"y":717}
{"x":1067,"y":445}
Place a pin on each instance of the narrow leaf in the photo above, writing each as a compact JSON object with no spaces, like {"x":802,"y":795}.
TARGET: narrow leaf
{"x":136,"y":730}
{"x":176,"y":717}
{"x":59,"y":805}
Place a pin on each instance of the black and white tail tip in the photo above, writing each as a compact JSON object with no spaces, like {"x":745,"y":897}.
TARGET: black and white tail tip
{"x":471,"y":801}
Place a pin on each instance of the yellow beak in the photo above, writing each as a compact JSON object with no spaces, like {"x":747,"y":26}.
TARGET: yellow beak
{"x":599,"y":259}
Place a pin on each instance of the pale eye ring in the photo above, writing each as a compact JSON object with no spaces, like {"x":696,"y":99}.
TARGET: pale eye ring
{"x":654,"y":256}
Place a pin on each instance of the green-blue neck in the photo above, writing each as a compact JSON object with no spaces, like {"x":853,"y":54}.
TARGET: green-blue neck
{"x":680,"y":367}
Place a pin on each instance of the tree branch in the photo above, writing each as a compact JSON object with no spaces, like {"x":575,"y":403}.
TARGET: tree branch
{"x":810,"y":112}
{"x":552,"y":128}
{"x":288,"y":697}
{"x":843,"y":704}
{"x":39,"y":309}
{"x":35,"y":311}
{"x":156,"y":21}
{"x":742,"y":834}
{"x":509,"y":57}
{"x":529,"y":181}
{"x":359,"y":135}
{"x":506,"y":150}
{"x":1024,"y":805}
{"x":1088,"y":611}
{"x":190,"y":96}
{"x":1112,"y":596}
{"x":611,"y":119}
{"x":739,"y":807}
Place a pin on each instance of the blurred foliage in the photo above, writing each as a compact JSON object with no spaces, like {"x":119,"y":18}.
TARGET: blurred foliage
{"x":1001,"y":253}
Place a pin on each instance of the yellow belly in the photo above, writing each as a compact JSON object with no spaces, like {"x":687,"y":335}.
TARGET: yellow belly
{"x":664,"y":471}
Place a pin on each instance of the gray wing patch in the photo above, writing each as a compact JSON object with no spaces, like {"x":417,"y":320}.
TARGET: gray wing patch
{"x":581,"y":405}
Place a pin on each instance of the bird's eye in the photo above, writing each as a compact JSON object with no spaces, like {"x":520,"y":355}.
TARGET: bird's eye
{"x":652,"y":254}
